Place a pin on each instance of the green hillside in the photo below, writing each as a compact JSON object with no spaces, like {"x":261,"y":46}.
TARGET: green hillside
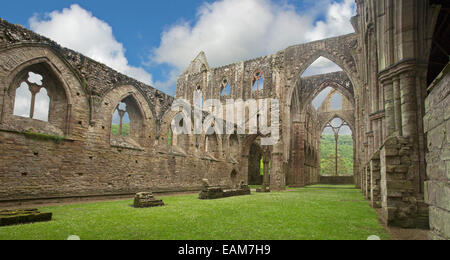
{"x":125,"y":129}
{"x":345,"y":155}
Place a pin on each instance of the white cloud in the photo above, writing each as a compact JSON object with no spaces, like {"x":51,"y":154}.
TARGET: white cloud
{"x":337,"y":21}
{"x":78,"y":29}
{"x":233,"y":30}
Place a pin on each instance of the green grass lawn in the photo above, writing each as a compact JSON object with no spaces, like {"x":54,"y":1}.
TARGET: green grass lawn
{"x":316,"y":212}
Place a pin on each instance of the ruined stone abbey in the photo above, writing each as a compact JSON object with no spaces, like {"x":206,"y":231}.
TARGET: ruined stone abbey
{"x":394,"y":85}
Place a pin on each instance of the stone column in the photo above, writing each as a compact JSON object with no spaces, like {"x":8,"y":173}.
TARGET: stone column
{"x":375,"y":178}
{"x":410,"y":124}
{"x":266,"y":177}
{"x":401,"y":205}
{"x":397,"y":107}
{"x":356,"y":164}
{"x":121,"y":115}
{"x":408,"y":104}
{"x":34,"y":89}
{"x":299,"y":155}
{"x":376,"y":134}
{"x":368,"y":183}
{"x":277,"y":174}
{"x":389,"y":107}
{"x":244,"y":167}
{"x":363,"y":180}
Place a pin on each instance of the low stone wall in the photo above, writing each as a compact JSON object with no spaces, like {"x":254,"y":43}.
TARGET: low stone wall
{"x":339,"y":180}
{"x":437,"y":128}
{"x":26,"y":216}
{"x":211,"y":193}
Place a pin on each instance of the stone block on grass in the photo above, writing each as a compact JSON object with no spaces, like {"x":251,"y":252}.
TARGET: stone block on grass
{"x":146,"y":200}
{"x":25,"y":216}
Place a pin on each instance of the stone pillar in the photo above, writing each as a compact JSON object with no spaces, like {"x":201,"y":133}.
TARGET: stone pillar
{"x":368,"y":183}
{"x":356,"y":164}
{"x":370,"y":138}
{"x":363,"y":181}
{"x":410,"y":125}
{"x":376,"y":134}
{"x":34,"y":89}
{"x":389,"y":107}
{"x":121,"y":115}
{"x":266,"y":179}
{"x":397,"y":107}
{"x":408,"y":104}
{"x":278,"y":176}
{"x":244,"y":168}
{"x":401,"y":205}
{"x":375,"y":178}
{"x":298,"y":170}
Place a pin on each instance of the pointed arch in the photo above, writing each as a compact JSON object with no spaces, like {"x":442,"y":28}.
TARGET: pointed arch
{"x":337,"y":59}
{"x":47,"y":98}
{"x":331,"y":117}
{"x":321,"y":66}
{"x":344,"y":90}
{"x":340,"y":165}
{"x":345,"y":61}
{"x":131,"y":121}
{"x":142,"y":125}
{"x":45,"y":66}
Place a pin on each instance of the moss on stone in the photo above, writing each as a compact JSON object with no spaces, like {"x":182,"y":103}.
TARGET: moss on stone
{"x":45,"y":137}
{"x":15,"y":217}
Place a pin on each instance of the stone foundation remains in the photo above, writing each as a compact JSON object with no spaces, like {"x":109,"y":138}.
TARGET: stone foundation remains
{"x":25,"y":216}
{"x":146,"y":200}
{"x":337,"y":180}
{"x":210,"y":193}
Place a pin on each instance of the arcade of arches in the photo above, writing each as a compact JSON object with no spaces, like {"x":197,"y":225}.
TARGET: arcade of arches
{"x":72,"y":127}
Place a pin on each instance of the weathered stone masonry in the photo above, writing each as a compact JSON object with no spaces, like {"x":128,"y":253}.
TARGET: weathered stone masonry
{"x":437,"y":127}
{"x":87,"y":162}
{"x":398,"y":117}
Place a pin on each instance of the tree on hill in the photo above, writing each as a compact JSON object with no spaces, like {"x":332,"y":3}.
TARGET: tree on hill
{"x":345,"y":155}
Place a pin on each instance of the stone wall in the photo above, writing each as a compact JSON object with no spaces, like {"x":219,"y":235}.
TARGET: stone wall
{"x":437,"y":127}
{"x":339,"y":180}
{"x":74,"y":154}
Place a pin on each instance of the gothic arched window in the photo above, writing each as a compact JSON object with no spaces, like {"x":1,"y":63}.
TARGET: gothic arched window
{"x":127,"y":121}
{"x":257,"y":81}
{"x":32,"y":99}
{"x":226,"y":88}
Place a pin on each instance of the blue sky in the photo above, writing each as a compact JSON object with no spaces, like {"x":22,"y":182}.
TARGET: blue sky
{"x":154,"y":41}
